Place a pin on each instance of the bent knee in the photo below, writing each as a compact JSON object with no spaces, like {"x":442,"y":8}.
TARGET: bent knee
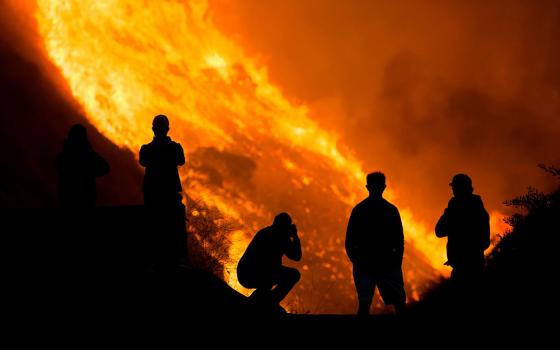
{"x":292,"y":274}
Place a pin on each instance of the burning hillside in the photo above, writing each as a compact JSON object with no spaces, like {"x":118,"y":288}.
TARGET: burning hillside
{"x":345,"y":84}
{"x":252,"y":152}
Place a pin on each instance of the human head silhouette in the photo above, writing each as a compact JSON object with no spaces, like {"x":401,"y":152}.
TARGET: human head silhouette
{"x":77,"y":136}
{"x":283,"y":223}
{"x":160,"y":125}
{"x":461,"y":184}
{"x":376,"y":184}
{"x":282,"y":219}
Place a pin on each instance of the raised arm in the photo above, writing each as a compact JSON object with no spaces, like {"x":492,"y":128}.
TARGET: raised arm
{"x":293,"y":250}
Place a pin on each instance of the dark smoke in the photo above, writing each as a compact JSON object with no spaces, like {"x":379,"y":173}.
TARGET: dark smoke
{"x":222,"y":166}
{"x":420,"y":89}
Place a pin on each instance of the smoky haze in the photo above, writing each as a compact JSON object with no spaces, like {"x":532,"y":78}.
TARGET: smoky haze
{"x":419,"y":90}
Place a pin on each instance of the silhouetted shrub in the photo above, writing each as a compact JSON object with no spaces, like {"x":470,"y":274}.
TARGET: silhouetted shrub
{"x":208,"y":238}
{"x":536,"y":226}
{"x":519,"y":268}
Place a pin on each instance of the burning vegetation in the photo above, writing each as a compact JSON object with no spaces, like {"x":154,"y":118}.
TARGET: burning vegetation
{"x":252,"y":152}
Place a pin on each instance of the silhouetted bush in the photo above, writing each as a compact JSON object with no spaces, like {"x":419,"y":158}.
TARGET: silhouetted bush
{"x":519,"y":268}
{"x":528,"y":249}
{"x":208,"y":238}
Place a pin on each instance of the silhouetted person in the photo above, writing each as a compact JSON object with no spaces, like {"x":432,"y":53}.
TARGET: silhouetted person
{"x":77,"y":167}
{"x":161,"y":157}
{"x":375,"y":246}
{"x":162,"y":197}
{"x":466,"y":224}
{"x":261,"y":266}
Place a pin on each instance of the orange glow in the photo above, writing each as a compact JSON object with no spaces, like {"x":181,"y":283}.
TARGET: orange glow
{"x":126,"y":61}
{"x":498,"y":227}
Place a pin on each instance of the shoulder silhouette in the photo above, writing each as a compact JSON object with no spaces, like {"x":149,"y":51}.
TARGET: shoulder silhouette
{"x":261,"y":266}
{"x":375,"y":246}
{"x":77,"y":167}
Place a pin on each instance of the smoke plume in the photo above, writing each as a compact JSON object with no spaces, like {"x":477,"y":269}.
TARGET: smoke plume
{"x":420,"y":90}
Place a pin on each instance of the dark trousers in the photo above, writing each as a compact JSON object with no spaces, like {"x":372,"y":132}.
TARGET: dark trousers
{"x":468,"y":286}
{"x":166,"y":222}
{"x":275,"y":286}
{"x":389,"y":281}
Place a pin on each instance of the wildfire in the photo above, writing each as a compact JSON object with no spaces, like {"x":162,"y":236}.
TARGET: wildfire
{"x":126,"y":61}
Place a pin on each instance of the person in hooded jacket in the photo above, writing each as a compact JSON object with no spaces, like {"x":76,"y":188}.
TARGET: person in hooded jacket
{"x":466,"y":224}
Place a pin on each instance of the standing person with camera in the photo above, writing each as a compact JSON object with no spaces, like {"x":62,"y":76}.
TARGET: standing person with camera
{"x":261,"y":266}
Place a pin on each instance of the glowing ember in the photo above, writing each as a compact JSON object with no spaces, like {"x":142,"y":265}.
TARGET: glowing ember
{"x":252,"y":152}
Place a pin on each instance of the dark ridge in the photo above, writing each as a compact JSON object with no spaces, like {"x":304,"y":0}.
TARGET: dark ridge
{"x":34,"y":120}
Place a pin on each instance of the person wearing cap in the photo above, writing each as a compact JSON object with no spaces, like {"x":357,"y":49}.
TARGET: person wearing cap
{"x":466,"y":224}
{"x":161,"y":157}
{"x":261,"y":266}
{"x":375,"y":246}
